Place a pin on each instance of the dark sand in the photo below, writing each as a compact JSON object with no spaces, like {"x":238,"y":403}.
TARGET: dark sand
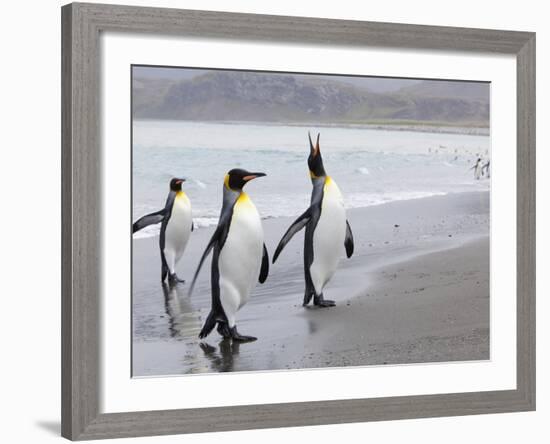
{"x":416,"y":290}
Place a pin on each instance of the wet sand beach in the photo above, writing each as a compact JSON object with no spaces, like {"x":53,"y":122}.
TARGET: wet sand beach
{"x":416,"y":290}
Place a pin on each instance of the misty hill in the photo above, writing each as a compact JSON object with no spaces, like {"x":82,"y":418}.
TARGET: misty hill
{"x":378,"y":84}
{"x":246,"y":96}
{"x":374,"y":84}
{"x":440,"y":88}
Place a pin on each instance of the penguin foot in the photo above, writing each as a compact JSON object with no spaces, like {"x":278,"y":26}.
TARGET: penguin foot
{"x":224,"y":330}
{"x":174,"y":279}
{"x":320,"y":301}
{"x":241,"y":338}
{"x":325,"y":303}
{"x":307,"y":299}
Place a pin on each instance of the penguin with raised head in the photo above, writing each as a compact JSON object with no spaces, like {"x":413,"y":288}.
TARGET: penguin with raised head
{"x":176,"y":225}
{"x":487,"y":168}
{"x":327,"y":230}
{"x":239,"y":258}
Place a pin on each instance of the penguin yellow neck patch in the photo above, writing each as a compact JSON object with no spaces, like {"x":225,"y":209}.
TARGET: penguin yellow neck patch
{"x":181,"y":196}
{"x":244,"y":205}
{"x":328,"y":184}
{"x":243,"y":199}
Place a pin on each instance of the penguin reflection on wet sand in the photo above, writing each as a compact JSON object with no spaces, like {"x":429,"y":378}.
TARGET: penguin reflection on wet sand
{"x":223,"y":359}
{"x":182,"y":315}
{"x":176,"y":226}
{"x":239,"y":256}
{"x":327,"y":231}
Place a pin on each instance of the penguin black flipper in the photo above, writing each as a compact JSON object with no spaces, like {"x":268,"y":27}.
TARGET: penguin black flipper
{"x":150,"y":219}
{"x":218,"y":238}
{"x":348,"y":242}
{"x":264,"y":271}
{"x":296,"y":226}
{"x":216,"y":243}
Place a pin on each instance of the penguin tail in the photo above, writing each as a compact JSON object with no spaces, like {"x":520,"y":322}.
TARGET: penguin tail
{"x":208,"y":325}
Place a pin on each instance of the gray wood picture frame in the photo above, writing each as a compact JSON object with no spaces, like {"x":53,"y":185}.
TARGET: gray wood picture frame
{"x":81,"y":172}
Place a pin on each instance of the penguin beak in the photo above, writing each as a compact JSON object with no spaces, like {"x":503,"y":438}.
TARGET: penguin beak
{"x":252,"y":176}
{"x":314,"y":150}
{"x":180,"y":181}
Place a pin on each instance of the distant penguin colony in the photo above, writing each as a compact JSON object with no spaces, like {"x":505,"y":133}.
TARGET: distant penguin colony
{"x":327,"y":231}
{"x":176,"y":226}
{"x":239,"y":254}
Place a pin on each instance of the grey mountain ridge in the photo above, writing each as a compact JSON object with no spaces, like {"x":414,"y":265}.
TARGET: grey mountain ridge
{"x":285,"y":98}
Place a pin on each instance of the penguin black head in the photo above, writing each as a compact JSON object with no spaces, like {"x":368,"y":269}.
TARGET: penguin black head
{"x":175,"y":184}
{"x":315,"y":161}
{"x":237,"y":178}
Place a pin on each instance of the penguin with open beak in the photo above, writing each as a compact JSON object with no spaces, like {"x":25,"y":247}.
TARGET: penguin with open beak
{"x":327,"y":230}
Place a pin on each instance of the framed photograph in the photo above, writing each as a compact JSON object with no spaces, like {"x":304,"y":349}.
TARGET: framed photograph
{"x":292,"y":221}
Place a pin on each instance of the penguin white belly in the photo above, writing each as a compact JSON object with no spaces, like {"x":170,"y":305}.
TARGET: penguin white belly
{"x":328,"y":237}
{"x":240,"y":258}
{"x":477,"y":172}
{"x":178,"y":230}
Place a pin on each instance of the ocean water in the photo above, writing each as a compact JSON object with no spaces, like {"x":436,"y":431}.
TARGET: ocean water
{"x":371,"y":167}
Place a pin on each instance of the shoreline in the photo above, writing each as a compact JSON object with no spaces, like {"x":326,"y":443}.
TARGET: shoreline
{"x":423,"y":127}
{"x":436,"y":246}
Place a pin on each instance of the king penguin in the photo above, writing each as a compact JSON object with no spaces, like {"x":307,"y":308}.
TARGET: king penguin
{"x":478,"y":169}
{"x":327,"y":231}
{"x":176,"y":226}
{"x":487,"y":168}
{"x":239,"y":259}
